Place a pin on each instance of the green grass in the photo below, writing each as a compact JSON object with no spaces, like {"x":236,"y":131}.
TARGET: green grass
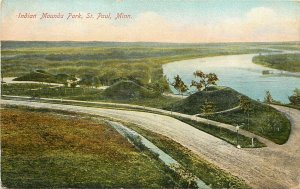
{"x":287,"y":62}
{"x":45,"y":150}
{"x":223,"y":98}
{"x":209,"y":173}
{"x":149,"y":98}
{"x":297,"y":107}
{"x":224,"y":134}
{"x":128,"y":90}
{"x":42,"y":76}
{"x":291,"y":46}
{"x":221,"y":133}
{"x":109,"y":62}
{"x":19,"y":88}
{"x":264,"y":121}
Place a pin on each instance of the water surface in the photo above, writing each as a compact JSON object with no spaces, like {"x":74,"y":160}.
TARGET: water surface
{"x":239,"y":73}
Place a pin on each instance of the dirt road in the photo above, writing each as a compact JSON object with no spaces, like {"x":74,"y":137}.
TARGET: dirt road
{"x":274,"y":167}
{"x":159,"y":111}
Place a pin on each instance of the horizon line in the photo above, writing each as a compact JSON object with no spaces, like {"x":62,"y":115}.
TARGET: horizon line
{"x":150,"y":41}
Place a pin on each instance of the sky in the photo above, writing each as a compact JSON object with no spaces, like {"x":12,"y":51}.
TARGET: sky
{"x":178,"y":21}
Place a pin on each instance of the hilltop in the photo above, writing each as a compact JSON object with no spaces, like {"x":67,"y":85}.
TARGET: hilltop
{"x":261,"y":119}
{"x":43,"y":76}
{"x":127,"y":90}
{"x":223,"y":98}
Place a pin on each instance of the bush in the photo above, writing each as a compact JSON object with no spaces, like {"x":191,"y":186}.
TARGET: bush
{"x":295,"y":98}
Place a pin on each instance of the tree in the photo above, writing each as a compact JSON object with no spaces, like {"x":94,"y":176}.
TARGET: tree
{"x":176,"y":83}
{"x":96,"y":82}
{"x":179,"y":85}
{"x":159,"y":86}
{"x":183,"y":88}
{"x":295,"y":98}
{"x":73,"y":84}
{"x":268,"y":97}
{"x":205,"y":81}
{"x":246,"y":106}
{"x":164,"y":82}
{"x":208,"y":108}
{"x":87,"y":80}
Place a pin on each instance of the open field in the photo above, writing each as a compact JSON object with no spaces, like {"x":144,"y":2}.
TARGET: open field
{"x":293,"y":46}
{"x":117,"y":60}
{"x":50,"y":150}
{"x":108,"y":61}
{"x":287,"y":62}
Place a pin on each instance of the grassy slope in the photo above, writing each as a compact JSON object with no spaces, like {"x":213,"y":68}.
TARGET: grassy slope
{"x":287,"y":62}
{"x":222,"y":98}
{"x":126,"y":90}
{"x":224,"y":134}
{"x":209,"y":173}
{"x":264,"y":120}
{"x":42,"y":76}
{"x":37,"y":76}
{"x":42,"y":150}
{"x":88,"y":94}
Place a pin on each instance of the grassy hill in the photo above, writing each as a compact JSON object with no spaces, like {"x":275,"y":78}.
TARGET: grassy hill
{"x":223,"y":98}
{"x":43,"y":76}
{"x":263,"y":119}
{"x":127,"y":90}
{"x":42,"y":150}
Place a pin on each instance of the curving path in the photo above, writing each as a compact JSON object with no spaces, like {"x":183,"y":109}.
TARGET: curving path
{"x":159,"y":111}
{"x":273,"y":167}
{"x":10,"y":80}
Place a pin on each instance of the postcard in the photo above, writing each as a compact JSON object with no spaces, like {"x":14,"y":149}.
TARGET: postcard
{"x":150,"y":94}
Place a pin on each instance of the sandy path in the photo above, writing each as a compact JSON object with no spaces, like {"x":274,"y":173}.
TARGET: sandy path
{"x":273,"y":167}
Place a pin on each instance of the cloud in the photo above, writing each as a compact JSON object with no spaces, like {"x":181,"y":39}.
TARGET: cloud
{"x":259,"y":24}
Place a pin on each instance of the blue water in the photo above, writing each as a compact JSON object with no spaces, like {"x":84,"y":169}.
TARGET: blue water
{"x":239,"y":73}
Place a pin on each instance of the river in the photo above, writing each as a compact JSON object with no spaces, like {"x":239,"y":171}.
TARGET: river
{"x":239,"y":73}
